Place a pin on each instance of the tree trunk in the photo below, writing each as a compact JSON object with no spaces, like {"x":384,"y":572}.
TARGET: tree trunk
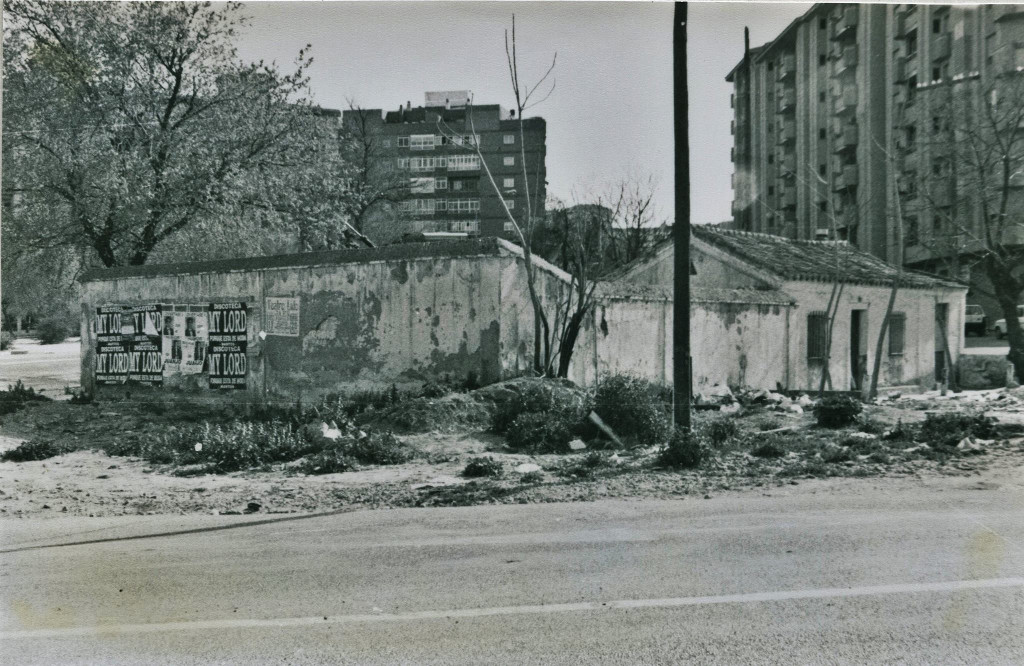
{"x":1007,"y":291}
{"x":568,"y":344}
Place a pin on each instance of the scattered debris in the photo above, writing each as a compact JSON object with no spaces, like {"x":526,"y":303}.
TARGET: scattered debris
{"x":577,"y":445}
{"x":526,"y":468}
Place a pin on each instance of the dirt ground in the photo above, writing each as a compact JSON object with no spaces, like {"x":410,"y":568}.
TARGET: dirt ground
{"x":89,"y":483}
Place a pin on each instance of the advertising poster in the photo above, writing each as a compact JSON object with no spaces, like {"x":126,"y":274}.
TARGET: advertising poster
{"x":112,"y":351}
{"x":228,"y":326}
{"x":282,"y":316}
{"x":140,"y":325}
{"x":185,"y":340}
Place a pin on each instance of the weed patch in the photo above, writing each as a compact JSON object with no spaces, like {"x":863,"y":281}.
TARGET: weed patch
{"x":484,"y":467}
{"x":837,"y":411}
{"x":632,"y":407}
{"x":685,"y":450}
{"x":35,"y":449}
{"x":16,"y":396}
{"x":946,"y":429}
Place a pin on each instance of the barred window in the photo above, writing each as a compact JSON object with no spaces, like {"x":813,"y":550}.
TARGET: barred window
{"x":817,"y":335}
{"x":897,"y":333}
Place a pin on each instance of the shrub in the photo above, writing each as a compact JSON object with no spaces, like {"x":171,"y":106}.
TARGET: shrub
{"x":536,"y":398}
{"x":331,"y":461}
{"x":541,"y":432}
{"x":946,"y":429}
{"x":768,"y":450}
{"x":363,"y":401}
{"x":901,"y":432}
{"x":837,"y":411}
{"x":34,"y":449}
{"x":483,"y":467}
{"x":685,"y":450}
{"x":378,"y":449}
{"x":837,"y":455}
{"x":6,"y":339}
{"x":53,"y":330}
{"x":532,"y":477}
{"x":870,"y":426}
{"x":585,"y":467}
{"x":632,"y":408}
{"x":15,"y":397}
{"x":718,"y":430}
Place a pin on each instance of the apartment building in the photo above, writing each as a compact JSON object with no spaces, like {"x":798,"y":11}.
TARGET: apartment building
{"x":449,"y":190}
{"x":855,"y":107}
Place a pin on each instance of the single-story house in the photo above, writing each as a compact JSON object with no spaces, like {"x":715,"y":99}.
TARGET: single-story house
{"x":759,"y":314}
{"x":308,"y":324}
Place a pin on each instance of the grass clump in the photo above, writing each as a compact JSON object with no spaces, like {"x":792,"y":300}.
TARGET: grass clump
{"x":35,"y":449}
{"x":538,"y":432}
{"x":484,"y":467}
{"x":768,"y":449}
{"x":718,"y":430}
{"x":837,"y":411}
{"x":330,"y":461}
{"x":16,"y":396}
{"x":686,"y":450}
{"x":531,"y":478}
{"x":586,"y":467}
{"x":946,"y":429}
{"x":633,"y":408}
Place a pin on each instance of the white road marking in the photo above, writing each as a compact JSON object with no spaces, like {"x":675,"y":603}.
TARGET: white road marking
{"x":110,"y":630}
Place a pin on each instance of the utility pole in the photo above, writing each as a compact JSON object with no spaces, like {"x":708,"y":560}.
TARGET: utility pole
{"x":681,"y":228}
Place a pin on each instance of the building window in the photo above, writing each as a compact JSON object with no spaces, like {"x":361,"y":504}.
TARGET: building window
{"x":463,"y":205}
{"x":771,"y":158}
{"x":509,"y":160}
{"x":509,"y":226}
{"x":771,"y":190}
{"x":403,"y":162}
{"x":509,"y":139}
{"x":822,"y":170}
{"x":936,"y":26}
{"x":821,"y":60}
{"x":385,"y":143}
{"x":912,"y":43}
{"x":422,"y":142}
{"x":509,"y":183}
{"x":821,"y":132}
{"x":463,"y":163}
{"x":822,"y":23}
{"x":821,"y":96}
{"x":817,"y":335}
{"x":403,"y":142}
{"x":897,"y":333}
{"x":441,"y":183}
{"x":510,"y":204}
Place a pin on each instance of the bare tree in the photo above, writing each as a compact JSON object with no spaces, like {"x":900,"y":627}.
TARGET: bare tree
{"x":544,"y":349}
{"x":372,"y":184}
{"x":982,"y":218}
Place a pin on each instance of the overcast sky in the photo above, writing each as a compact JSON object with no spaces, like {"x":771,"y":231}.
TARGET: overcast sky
{"x":611,"y":111}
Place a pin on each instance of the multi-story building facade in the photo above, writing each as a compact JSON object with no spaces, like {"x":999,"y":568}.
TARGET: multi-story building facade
{"x":854,"y":108}
{"x":449,"y":190}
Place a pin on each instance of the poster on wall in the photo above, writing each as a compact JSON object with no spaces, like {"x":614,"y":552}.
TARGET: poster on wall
{"x":140,"y":326}
{"x":185,"y":339}
{"x":282,"y":316}
{"x":112,"y":351}
{"x":228,"y":326}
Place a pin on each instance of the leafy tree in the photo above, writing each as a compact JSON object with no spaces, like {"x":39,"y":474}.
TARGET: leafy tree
{"x":129,"y":124}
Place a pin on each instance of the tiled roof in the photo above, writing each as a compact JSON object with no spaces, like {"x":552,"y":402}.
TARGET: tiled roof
{"x":814,"y":261}
{"x":646,"y":292}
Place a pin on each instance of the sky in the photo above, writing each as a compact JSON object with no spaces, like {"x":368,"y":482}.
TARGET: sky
{"x":610,"y":113}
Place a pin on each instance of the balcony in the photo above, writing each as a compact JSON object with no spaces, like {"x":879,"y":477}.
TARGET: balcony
{"x":788,"y":198}
{"x":899,"y":69}
{"x":845,"y":177}
{"x":787,"y":67}
{"x":846,"y":60}
{"x":941,"y":47}
{"x":906,"y":22}
{"x":787,"y":165}
{"x":787,"y":132}
{"x":846,"y":101}
{"x":846,"y":138}
{"x":847,"y":23}
{"x":1001,"y":12}
{"x":787,"y":100}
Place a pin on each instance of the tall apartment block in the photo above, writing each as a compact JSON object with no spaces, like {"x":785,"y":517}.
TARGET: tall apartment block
{"x":853,"y":105}
{"x":448,"y":188}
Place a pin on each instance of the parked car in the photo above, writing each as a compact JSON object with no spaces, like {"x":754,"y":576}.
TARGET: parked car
{"x":974,"y":320}
{"x":1000,"y":327}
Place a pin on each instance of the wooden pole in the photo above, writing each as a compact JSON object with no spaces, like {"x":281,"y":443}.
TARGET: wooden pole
{"x":681,"y":227}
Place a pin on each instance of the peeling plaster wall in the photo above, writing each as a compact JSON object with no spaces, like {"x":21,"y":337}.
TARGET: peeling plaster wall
{"x":738,"y":344}
{"x":915,"y":366}
{"x":361,"y":324}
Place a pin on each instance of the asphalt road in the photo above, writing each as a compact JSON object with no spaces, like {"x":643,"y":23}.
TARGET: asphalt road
{"x":923,"y":575}
{"x":46,"y":368}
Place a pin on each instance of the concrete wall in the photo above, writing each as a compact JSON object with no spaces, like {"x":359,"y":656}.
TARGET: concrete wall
{"x":736,"y":344}
{"x":361,"y":324}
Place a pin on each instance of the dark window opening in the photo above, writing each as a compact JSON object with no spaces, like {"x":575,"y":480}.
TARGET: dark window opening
{"x":817,"y":335}
{"x":897,"y":333}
